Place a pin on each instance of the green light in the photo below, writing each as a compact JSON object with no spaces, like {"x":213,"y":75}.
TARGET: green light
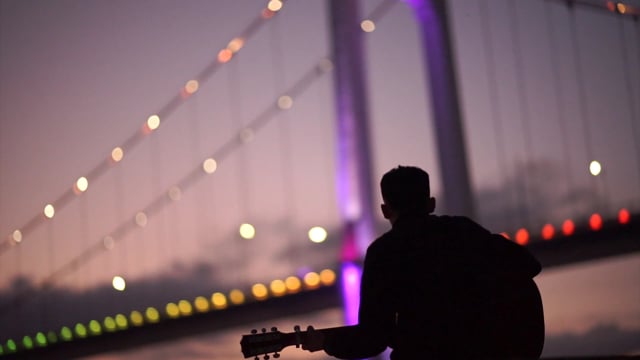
{"x":52,"y":337}
{"x":136,"y":318}
{"x":66,"y":334}
{"x":94,"y":327}
{"x":109,"y":324}
{"x":11,"y":346}
{"x":1,"y":350}
{"x":41,"y":339}
{"x":27,"y":342}
{"x":121,"y":322}
{"x":81,"y":330}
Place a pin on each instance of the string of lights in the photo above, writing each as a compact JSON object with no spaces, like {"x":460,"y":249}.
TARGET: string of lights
{"x":616,"y":7}
{"x":207,"y":167}
{"x":150,"y":125}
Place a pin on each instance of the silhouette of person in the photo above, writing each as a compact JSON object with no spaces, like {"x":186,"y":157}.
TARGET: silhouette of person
{"x":439,"y":287}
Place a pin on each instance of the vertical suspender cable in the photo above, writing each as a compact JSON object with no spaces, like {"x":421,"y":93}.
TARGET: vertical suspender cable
{"x":559,"y":96}
{"x":524,"y":110}
{"x":284,"y":135}
{"x":494,"y":98}
{"x":582,"y":96}
{"x":633,"y":116}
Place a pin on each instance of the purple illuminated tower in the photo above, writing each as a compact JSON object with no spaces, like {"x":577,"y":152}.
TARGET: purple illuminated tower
{"x":438,"y":52}
{"x":353,"y":173}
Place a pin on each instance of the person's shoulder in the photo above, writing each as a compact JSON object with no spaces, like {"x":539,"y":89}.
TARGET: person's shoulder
{"x":461,"y":223}
{"x":382,"y":243}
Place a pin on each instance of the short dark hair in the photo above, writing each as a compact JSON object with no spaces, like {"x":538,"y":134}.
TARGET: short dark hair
{"x":406,"y":189}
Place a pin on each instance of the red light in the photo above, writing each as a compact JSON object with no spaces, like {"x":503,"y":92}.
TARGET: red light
{"x":611,"y":6}
{"x":548,"y":231}
{"x":595,"y":222}
{"x":522,"y":236}
{"x":624,"y":216}
{"x":568,"y":227}
{"x":505,"y":235}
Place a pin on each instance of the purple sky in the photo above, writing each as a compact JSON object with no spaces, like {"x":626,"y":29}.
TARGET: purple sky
{"x":77,"y":78}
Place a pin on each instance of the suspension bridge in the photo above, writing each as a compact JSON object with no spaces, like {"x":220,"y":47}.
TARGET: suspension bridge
{"x":144,"y":215}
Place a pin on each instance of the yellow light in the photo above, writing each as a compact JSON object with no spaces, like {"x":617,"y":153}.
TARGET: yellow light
{"x":175,"y":193}
{"x":293,"y":284}
{"x":141,"y":219}
{"x":224,"y":56}
{"x":236,"y":44}
{"x":153,"y":122}
{"x":312,"y":280}
{"x":219,"y":301}
{"x":247,"y":231}
{"x":185,"y":307}
{"x":16,"y":236}
{"x":118,"y":283}
{"x":191,"y":87}
{"x":259,"y":291}
{"x":201,"y":304}
{"x":278,"y":288}
{"x":236,"y":296}
{"x":595,"y":168}
{"x":117,"y":154}
{"x":82,"y":184}
{"x":327,"y":277}
{"x":172,"y":310}
{"x":317,"y":234}
{"x":81,"y":330}
{"x":274,"y":5}
{"x":49,"y":211}
{"x":368,"y":26}
{"x":209,"y":166}
{"x":121,"y":322}
{"x":109,"y":323}
{"x":285,"y":102}
{"x":152,"y":315}
{"x":108,"y":242}
{"x":136,"y":318}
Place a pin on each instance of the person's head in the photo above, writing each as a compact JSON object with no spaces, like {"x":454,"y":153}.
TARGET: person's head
{"x":405,"y":191}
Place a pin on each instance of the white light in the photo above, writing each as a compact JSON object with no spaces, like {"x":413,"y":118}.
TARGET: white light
{"x":285,"y":102}
{"x":82,"y":184}
{"x":119,"y":283}
{"x":153,"y":122}
{"x":141,"y":219}
{"x":317,"y":234}
{"x":49,"y":211}
{"x":17,"y":236}
{"x":209,"y":166}
{"x":368,"y":26}
{"x":595,"y":168}
{"x":247,"y":231}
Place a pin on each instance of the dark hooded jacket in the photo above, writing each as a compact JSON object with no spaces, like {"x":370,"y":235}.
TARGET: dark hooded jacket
{"x":444,"y":287}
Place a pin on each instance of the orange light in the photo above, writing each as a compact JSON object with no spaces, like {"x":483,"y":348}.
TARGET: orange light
{"x":506,"y":235}
{"x":522,"y":236}
{"x":622,"y":8}
{"x":624,"y":216}
{"x":595,"y":222}
{"x":568,"y":227}
{"x":548,"y":231}
{"x":225,"y":55}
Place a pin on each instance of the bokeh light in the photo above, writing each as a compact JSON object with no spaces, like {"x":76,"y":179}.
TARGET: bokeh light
{"x":595,"y":222}
{"x":82,"y":184}
{"x":16,"y":236}
{"x":191,"y":87}
{"x":95,"y":328}
{"x":317,"y":234}
{"x":624,"y":216}
{"x":121,"y":322}
{"x":367,"y":26}
{"x":274,"y":5}
{"x":172,"y":310}
{"x":522,"y":236}
{"x":141,"y":219}
{"x":153,"y":122}
{"x":235,"y":44}
{"x":327,"y":277}
{"x":49,"y":211}
{"x":119,"y":283}
{"x":224,"y":56}
{"x":247,"y":231}
{"x":278,"y":287}
{"x":236,"y":296}
{"x":201,"y":304}
{"x":595,"y":168}
{"x":568,"y":227}
{"x":209,"y":166}
{"x":219,"y":301}
{"x":109,"y":324}
{"x":293,"y":284}
{"x":66,"y":334}
{"x":548,"y":231}
{"x":285,"y":102}
{"x":117,"y":154}
{"x":259,"y":291}
{"x":311,"y":280}
{"x":136,"y":318}
{"x":152,"y":315}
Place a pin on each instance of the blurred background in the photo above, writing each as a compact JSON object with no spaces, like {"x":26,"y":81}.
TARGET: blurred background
{"x":153,"y":153}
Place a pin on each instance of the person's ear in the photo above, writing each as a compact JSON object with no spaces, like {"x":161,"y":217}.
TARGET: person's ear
{"x":431,"y":205}
{"x":386,"y":211}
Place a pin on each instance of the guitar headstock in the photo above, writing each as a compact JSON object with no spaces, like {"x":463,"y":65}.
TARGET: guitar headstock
{"x":264,"y":343}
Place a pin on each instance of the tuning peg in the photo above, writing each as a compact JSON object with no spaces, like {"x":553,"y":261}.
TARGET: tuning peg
{"x":266,"y":356}
{"x":256,"y":358}
{"x":264,"y":330}
{"x":274,"y":329}
{"x":276,"y":355}
{"x":254,"y":331}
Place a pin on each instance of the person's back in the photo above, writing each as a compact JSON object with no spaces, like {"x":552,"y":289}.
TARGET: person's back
{"x":458,"y":290}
